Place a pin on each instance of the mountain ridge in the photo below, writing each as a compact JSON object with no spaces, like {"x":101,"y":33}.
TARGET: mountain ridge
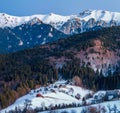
{"x":98,"y":17}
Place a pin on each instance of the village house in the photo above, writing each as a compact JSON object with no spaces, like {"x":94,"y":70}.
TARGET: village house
{"x":112,"y":94}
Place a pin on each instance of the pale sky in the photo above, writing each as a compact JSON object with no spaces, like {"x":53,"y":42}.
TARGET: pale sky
{"x":63,"y":7}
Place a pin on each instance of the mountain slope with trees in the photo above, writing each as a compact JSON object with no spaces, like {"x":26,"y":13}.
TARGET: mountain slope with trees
{"x":73,"y":56}
{"x":33,"y":33}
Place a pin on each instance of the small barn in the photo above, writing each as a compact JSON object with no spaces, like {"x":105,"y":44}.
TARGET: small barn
{"x":39,"y":95}
{"x":78,"y":96}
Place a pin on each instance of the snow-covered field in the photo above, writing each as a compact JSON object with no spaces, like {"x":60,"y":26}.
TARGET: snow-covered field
{"x":80,"y":109}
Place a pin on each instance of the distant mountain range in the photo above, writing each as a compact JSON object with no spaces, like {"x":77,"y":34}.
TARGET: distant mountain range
{"x":17,"y":33}
{"x":67,"y":24}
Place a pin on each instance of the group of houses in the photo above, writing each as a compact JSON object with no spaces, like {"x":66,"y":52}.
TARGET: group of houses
{"x":102,"y":96}
{"x":98,"y":97}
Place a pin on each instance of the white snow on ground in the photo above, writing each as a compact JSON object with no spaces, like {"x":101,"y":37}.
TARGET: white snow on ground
{"x":79,"y":109}
{"x":53,"y":98}
{"x":20,"y":43}
{"x":59,"y":96}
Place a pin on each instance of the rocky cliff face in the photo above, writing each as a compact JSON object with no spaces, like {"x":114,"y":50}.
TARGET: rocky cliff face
{"x":76,"y":26}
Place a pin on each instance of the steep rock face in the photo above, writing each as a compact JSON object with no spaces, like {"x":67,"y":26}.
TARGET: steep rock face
{"x":72,"y":26}
{"x":89,"y":20}
{"x":76,"y":26}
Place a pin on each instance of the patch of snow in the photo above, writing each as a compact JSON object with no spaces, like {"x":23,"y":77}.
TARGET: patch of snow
{"x":9,"y":46}
{"x":51,"y":30}
{"x":20,"y":43}
{"x":50,"y":35}
{"x":28,"y":43}
{"x":39,"y":36}
{"x":20,"y":28}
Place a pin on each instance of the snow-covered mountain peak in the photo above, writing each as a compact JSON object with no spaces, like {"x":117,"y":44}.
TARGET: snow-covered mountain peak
{"x":35,"y":20}
{"x":67,"y":24}
{"x":90,"y":20}
{"x":54,"y":18}
{"x":106,"y":16}
{"x":13,"y":21}
{"x":85,"y":13}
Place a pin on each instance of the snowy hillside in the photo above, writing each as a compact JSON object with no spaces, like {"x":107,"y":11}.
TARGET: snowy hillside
{"x":67,"y":97}
{"x":54,"y":94}
{"x":101,"y":106}
{"x":67,"y":24}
